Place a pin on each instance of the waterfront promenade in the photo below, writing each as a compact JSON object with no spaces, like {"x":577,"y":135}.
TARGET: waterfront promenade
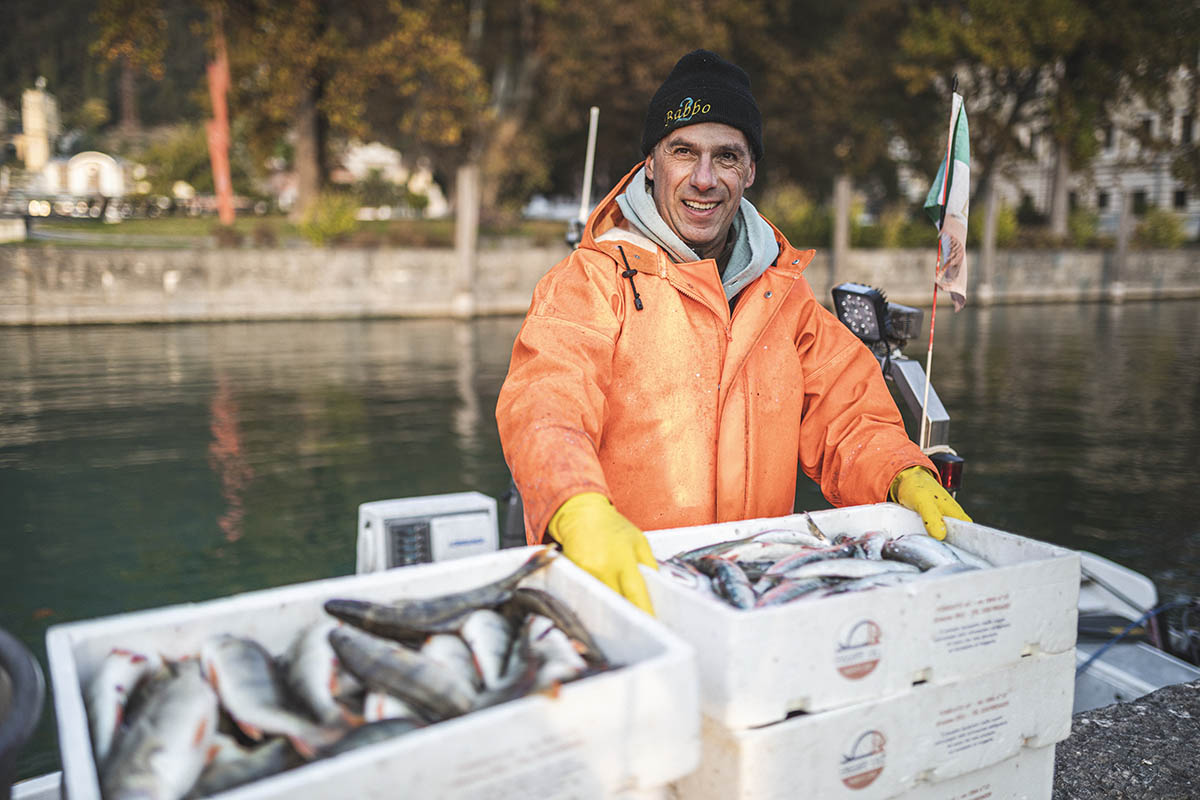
{"x":53,"y":285}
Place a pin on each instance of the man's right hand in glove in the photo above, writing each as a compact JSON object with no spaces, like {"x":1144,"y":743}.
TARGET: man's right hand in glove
{"x":599,"y":539}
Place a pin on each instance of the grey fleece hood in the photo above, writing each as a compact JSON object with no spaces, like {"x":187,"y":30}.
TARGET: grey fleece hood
{"x":754,"y":246}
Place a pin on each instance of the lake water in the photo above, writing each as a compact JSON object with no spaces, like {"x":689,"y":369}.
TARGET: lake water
{"x":142,"y":466}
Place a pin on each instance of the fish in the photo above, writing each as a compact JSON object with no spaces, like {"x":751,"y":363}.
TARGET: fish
{"x":868,"y":545}
{"x":251,"y":691}
{"x":729,"y":580}
{"x":488,"y":638}
{"x":167,"y":742}
{"x":108,"y":692}
{"x":415,"y":618}
{"x":788,"y":590}
{"x":314,"y":675}
{"x":967,"y":557}
{"x":379,"y":705}
{"x":870,"y":582}
{"x":378,"y":731}
{"x":456,"y":655}
{"x":423,"y":682}
{"x":810,"y":555}
{"x":748,"y":549}
{"x":920,"y":550}
{"x":847,"y":568}
{"x":681,"y":572}
{"x":234,"y":765}
{"x":560,"y":662}
{"x":536,"y":601}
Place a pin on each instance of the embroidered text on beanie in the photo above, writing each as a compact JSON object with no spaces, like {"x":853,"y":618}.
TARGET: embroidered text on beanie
{"x":703,"y":87}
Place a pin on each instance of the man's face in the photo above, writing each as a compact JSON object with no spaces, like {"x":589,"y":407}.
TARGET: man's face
{"x":700,"y":173}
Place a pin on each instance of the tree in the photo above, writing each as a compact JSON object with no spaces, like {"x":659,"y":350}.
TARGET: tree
{"x":131,"y":33}
{"x":1061,"y":67}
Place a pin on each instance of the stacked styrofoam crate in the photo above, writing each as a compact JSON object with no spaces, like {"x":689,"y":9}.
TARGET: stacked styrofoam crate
{"x":627,"y":732}
{"x":904,"y":688}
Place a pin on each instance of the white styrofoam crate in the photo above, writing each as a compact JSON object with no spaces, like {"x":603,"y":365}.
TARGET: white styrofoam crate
{"x":920,"y":743}
{"x":626,"y":732}
{"x":758,"y":665}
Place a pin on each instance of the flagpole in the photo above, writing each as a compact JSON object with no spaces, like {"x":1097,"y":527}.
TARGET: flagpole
{"x":947,"y":176}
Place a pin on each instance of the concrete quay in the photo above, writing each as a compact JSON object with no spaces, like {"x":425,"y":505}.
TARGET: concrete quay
{"x":53,"y":285}
{"x":1147,"y":748}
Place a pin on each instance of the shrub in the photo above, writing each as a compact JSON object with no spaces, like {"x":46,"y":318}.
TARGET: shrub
{"x":802,"y":221}
{"x":264,"y":235}
{"x":1082,"y":227}
{"x":331,"y":218}
{"x":1160,"y":228}
{"x":226,"y":235}
{"x":1006,"y":227}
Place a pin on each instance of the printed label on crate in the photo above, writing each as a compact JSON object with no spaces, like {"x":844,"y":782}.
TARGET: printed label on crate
{"x":968,"y":624}
{"x":862,"y":759}
{"x":972,"y":724}
{"x":859,"y":649}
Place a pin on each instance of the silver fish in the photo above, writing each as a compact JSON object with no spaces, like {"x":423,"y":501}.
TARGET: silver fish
{"x":560,"y":661}
{"x":489,"y":638}
{"x":457,"y":656}
{"x":246,"y":680}
{"x":967,"y":557}
{"x":234,"y":765}
{"x":810,"y":555}
{"x":920,"y":550}
{"x":871,"y":582}
{"x":314,"y":674}
{"x":729,"y":580}
{"x":415,"y":618}
{"x":109,"y":691}
{"x":161,"y":753}
{"x":536,"y":601}
{"x":378,"y":731}
{"x":423,"y":682}
{"x":788,"y":590}
{"x":383,"y":705}
{"x":847,"y":568}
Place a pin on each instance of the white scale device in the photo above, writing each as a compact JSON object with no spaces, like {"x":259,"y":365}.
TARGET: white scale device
{"x":416,"y":530}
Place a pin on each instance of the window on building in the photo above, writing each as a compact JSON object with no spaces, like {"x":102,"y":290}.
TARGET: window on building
{"x":1188,"y":128}
{"x":1140,"y":202}
{"x":1180,"y":199}
{"x":1110,"y":137}
{"x":1072,"y":201}
{"x":1148,"y":128}
{"x":1102,"y":200}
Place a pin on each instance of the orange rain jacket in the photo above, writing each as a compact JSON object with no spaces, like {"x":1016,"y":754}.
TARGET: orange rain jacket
{"x":677,"y":413}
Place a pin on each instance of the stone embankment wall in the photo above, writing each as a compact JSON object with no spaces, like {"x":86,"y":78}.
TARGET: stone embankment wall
{"x":51,"y":285}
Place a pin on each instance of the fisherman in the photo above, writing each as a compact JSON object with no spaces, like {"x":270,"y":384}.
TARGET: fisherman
{"x":676,"y":368}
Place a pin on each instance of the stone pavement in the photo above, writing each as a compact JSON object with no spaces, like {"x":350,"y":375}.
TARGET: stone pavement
{"x":1148,"y":748}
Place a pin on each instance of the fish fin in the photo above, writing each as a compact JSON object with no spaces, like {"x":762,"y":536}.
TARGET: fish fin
{"x":306,"y":750}
{"x":253,"y":731}
{"x":201,"y":732}
{"x":351,"y":718}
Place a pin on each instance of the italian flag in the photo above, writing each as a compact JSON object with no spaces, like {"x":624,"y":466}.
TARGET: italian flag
{"x":946,"y":205}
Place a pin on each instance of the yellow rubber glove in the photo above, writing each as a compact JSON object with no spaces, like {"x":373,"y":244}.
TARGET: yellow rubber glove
{"x":916,"y":488}
{"x":596,"y":536}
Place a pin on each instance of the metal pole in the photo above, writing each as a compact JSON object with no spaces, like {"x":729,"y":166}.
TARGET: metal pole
{"x":585,"y":200}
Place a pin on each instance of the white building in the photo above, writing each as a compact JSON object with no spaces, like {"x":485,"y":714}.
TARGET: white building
{"x":1123,"y":164}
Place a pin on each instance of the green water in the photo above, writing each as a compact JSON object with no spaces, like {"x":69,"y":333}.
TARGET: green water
{"x":142,"y":466}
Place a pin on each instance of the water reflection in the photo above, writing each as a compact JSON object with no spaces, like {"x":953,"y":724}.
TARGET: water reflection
{"x":226,"y":458}
{"x":144,"y":466}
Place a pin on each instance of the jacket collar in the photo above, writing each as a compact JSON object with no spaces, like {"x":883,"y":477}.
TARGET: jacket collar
{"x":607,"y":228}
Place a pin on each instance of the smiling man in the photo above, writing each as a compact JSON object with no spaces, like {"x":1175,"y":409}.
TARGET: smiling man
{"x":676,"y":369}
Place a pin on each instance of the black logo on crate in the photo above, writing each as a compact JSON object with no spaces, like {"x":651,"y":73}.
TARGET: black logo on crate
{"x":859,"y":649}
{"x":862,"y":760}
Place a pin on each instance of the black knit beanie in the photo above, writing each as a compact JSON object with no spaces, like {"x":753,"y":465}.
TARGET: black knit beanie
{"x":703,"y":87}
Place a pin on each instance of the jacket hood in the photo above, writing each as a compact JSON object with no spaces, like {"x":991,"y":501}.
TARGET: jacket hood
{"x":608,"y":216}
